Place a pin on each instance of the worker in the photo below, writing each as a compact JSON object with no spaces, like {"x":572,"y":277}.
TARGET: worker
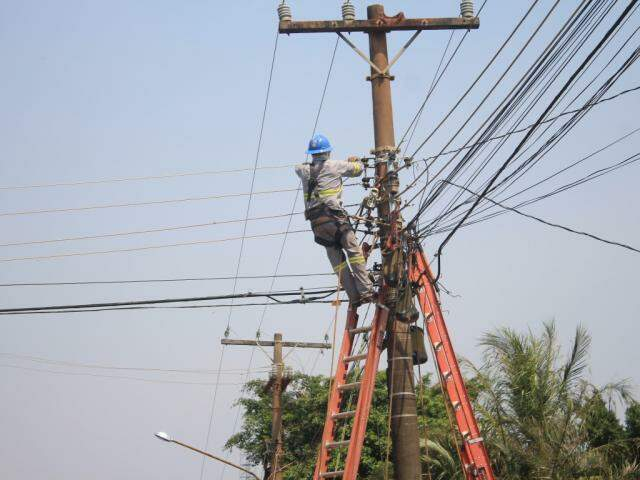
{"x":322,"y":185}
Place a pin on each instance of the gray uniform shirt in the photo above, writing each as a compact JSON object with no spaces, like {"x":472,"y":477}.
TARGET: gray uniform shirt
{"x":329,"y":175}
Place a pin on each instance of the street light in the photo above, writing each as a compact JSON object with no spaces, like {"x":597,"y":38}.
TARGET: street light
{"x":167,"y":438}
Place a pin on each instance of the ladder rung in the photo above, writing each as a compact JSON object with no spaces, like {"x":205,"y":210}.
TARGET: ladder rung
{"x":343,"y":443}
{"x":349,"y":386}
{"x":337,"y":474}
{"x":339,"y":415}
{"x":355,"y":331}
{"x":355,"y":358}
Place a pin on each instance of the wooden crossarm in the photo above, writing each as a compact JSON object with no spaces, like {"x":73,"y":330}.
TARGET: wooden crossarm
{"x":319,"y":26}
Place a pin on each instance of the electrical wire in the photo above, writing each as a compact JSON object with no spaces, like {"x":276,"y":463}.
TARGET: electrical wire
{"x":162,"y":280}
{"x":272,"y":296}
{"x":552,"y":119}
{"x":551,"y":224}
{"x":141,"y":178}
{"x":121,"y":377}
{"x":486,"y":68}
{"x":293,"y":206}
{"x":553,"y":75}
{"x":543,"y":180}
{"x":436,"y":81}
{"x":94,"y":366}
{"x":147,"y":247}
{"x":549,"y":107}
{"x":503,"y":107}
{"x":242,"y":241}
{"x":147,"y":231}
{"x":306,"y":301}
{"x":590,"y":177}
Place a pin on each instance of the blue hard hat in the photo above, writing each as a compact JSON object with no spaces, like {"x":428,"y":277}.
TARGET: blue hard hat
{"x":319,"y":144}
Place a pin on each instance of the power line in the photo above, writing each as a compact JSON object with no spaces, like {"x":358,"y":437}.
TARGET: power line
{"x":293,"y":206}
{"x":524,"y":84}
{"x":121,"y":377}
{"x":156,"y":202}
{"x":140,"y":204}
{"x":148,"y":247}
{"x":484,"y":70}
{"x":147,"y":231}
{"x":435,"y":222}
{"x":590,"y":177}
{"x":484,"y":99}
{"x":546,"y":111}
{"x":307,"y":301}
{"x":434,"y":83}
{"x":552,"y":119}
{"x":141,"y":178}
{"x":551,"y":224}
{"x":155,"y":230}
{"x":242,"y":241}
{"x":94,"y":366}
{"x":273,"y":296}
{"x":162,"y":280}
{"x":567,"y":35}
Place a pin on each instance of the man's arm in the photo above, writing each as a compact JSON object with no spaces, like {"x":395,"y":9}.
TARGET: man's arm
{"x":353,"y":167}
{"x":300,"y":171}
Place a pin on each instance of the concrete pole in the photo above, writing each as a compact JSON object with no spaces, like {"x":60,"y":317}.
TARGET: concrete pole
{"x":404,"y":421}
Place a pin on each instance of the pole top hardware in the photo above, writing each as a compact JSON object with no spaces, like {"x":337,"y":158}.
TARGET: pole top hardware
{"x":383,"y":75}
{"x":284,"y":12}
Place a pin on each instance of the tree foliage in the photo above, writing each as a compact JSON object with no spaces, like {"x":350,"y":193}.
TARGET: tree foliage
{"x":540,"y":416}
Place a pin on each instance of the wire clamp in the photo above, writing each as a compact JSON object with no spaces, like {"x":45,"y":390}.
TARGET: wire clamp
{"x":303,"y":299}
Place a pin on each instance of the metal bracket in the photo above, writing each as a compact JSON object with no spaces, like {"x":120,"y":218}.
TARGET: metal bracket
{"x":360,"y":52}
{"x":375,"y":76}
{"x":380,"y":73}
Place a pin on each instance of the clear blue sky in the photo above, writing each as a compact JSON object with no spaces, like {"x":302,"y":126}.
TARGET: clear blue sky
{"x":94,"y":90}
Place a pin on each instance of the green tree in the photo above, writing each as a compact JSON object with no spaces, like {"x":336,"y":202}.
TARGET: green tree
{"x":304,"y":409}
{"x":540,"y":415}
{"x":632,"y":430}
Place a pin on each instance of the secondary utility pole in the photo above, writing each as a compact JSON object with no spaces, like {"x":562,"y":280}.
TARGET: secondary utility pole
{"x":404,"y":422}
{"x":278,"y":382}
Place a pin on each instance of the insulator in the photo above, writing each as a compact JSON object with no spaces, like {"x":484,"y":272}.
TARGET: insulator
{"x":284,"y":12}
{"x":466,"y":8}
{"x":348,"y":11}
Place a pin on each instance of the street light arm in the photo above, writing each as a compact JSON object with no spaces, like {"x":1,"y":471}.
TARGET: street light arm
{"x":206,"y":454}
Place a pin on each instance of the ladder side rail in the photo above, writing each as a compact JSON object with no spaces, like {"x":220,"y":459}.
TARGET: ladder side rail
{"x":444,"y":351}
{"x":368,"y":382}
{"x":443,"y":366}
{"x":333,"y":405}
{"x":474,"y":445}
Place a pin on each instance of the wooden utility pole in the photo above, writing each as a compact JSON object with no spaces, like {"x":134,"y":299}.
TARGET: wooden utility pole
{"x":404,"y":422}
{"x":277,"y":384}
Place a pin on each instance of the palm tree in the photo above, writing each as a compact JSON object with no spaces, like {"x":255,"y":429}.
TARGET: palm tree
{"x":534,"y":405}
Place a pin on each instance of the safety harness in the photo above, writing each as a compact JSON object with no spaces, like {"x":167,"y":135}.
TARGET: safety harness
{"x":328,"y":224}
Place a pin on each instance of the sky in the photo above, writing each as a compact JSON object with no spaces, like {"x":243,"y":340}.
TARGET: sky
{"x":111,"y":90}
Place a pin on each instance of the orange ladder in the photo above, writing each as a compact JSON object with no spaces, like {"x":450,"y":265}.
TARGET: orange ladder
{"x":475,"y":459}
{"x":365,"y":387}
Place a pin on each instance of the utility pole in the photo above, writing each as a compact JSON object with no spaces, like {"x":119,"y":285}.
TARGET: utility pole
{"x":277,"y":384}
{"x":404,"y":422}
